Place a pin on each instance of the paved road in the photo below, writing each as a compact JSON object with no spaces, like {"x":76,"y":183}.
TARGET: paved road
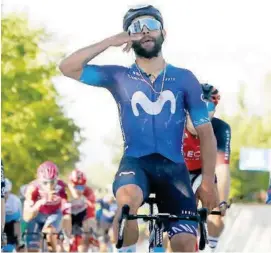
{"x":248,"y":229}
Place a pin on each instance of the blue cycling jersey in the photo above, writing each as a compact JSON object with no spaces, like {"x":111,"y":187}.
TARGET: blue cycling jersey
{"x":268,"y":196}
{"x":151,"y":122}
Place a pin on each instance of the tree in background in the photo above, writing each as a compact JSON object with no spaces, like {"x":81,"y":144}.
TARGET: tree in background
{"x":247,"y":131}
{"x":34,"y":127}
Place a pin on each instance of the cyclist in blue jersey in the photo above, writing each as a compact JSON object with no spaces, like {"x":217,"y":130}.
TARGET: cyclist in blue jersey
{"x":13,"y":217}
{"x":153,"y":98}
{"x":108,"y":212}
{"x":3,"y":213}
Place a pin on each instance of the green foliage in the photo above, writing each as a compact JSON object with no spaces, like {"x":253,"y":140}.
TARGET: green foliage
{"x":247,"y":131}
{"x":34,"y":128}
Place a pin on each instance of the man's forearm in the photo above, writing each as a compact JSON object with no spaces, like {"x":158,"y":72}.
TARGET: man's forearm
{"x":208,"y":157}
{"x":73,"y":192}
{"x":223,"y":177}
{"x":208,"y":151}
{"x":76,"y":61}
{"x":28,"y":216}
{"x":30,"y":212}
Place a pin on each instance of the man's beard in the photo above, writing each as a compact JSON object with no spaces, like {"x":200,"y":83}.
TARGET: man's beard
{"x":154,"y":52}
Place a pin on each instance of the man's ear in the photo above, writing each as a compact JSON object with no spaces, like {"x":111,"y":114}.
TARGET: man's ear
{"x":164,"y":33}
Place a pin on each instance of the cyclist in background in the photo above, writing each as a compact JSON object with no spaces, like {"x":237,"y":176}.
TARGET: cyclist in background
{"x":108,"y":211}
{"x":98,"y":193}
{"x":82,"y":206}
{"x":2,"y":203}
{"x":193,"y":160}
{"x":13,"y":216}
{"x":45,"y":206}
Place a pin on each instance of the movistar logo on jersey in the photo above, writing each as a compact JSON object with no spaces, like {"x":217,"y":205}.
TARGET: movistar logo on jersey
{"x":153,"y":108}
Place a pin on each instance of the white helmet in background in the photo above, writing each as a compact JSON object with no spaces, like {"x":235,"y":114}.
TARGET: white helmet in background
{"x":8,"y":185}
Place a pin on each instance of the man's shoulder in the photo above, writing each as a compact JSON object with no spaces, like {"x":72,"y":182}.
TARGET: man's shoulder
{"x":179,"y":70}
{"x":32,"y":188}
{"x":88,"y":190}
{"x":222,"y":131}
{"x":61,"y":183}
{"x":184,"y":77}
{"x":220,"y":124}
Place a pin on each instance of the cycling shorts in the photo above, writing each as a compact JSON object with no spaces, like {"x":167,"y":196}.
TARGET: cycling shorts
{"x":77,"y":219}
{"x":9,"y":230}
{"x":168,"y":180}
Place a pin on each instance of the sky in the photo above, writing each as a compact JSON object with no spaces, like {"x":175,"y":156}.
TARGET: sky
{"x":225,"y":43}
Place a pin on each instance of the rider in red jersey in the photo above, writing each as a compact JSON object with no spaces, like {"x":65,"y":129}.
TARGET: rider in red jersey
{"x":82,"y":205}
{"x":45,"y":206}
{"x":193,"y":160}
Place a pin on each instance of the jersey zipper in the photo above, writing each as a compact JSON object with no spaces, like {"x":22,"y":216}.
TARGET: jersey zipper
{"x":153,"y":119}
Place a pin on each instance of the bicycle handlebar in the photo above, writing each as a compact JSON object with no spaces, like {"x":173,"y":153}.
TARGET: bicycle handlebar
{"x":168,"y":216}
{"x":201,"y":217}
{"x":162,"y":216}
{"x":215,"y":213}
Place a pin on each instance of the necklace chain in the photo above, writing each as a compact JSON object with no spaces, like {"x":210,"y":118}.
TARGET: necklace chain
{"x":163,"y":80}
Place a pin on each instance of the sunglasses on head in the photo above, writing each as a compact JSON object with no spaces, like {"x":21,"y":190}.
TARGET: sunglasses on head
{"x":138,"y":25}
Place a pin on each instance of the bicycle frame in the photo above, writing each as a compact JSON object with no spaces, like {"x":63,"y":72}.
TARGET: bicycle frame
{"x":43,"y":240}
{"x":77,"y":232}
{"x":156,"y":237}
{"x":155,"y":229}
